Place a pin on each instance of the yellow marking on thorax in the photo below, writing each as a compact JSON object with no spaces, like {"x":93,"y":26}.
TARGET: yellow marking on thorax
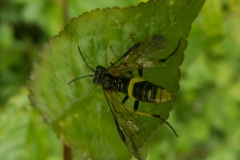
{"x":162,"y":95}
{"x":131,"y":84}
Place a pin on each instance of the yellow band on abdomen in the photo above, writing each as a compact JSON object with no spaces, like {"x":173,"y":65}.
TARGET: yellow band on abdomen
{"x":131,"y":84}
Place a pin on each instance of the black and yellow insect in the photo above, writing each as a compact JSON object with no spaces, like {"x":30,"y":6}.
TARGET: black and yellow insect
{"x":114,"y":79}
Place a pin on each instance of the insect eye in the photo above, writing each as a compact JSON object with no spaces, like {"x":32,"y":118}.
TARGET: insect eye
{"x":96,"y":81}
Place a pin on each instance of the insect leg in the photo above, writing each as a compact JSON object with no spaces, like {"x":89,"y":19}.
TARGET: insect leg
{"x":135,"y":108}
{"x":140,"y":72}
{"x":131,"y":73}
{"x":125,"y":99}
{"x":165,"y":59}
{"x":152,"y":115}
{"x":136,"y":104}
{"x":111,"y":64}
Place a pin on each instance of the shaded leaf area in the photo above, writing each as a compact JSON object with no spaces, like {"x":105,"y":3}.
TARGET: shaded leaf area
{"x":79,"y":113}
{"x":24,"y":135}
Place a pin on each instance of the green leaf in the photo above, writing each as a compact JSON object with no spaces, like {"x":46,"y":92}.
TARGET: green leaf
{"x":79,"y":112}
{"x":23,"y":134}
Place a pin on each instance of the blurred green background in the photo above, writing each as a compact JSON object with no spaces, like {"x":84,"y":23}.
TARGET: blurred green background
{"x":206,"y":114}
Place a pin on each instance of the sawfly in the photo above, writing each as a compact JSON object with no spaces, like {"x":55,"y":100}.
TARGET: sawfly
{"x":114,"y":79}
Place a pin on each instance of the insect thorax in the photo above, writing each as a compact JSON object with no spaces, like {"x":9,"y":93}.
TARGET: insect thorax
{"x":110,"y":82}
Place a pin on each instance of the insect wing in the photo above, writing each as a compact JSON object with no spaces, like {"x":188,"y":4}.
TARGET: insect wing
{"x":126,"y":126}
{"x":141,"y":55}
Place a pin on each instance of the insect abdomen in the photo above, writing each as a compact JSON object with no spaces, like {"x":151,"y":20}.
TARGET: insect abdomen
{"x":145,"y":91}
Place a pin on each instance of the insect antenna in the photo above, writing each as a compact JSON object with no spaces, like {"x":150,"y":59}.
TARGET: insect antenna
{"x":86,"y":64}
{"x":80,"y":78}
{"x":84,"y":59}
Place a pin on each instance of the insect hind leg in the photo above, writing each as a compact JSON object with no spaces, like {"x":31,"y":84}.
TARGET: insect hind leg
{"x":135,"y":109}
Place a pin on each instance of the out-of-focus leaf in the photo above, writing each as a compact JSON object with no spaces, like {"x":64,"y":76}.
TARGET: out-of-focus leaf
{"x":23,"y":134}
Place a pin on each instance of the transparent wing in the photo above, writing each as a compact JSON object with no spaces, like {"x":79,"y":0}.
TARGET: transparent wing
{"x":127,"y":126}
{"x":141,"y":55}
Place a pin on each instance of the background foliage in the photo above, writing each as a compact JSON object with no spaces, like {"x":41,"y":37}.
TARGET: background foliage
{"x":207,"y":108}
